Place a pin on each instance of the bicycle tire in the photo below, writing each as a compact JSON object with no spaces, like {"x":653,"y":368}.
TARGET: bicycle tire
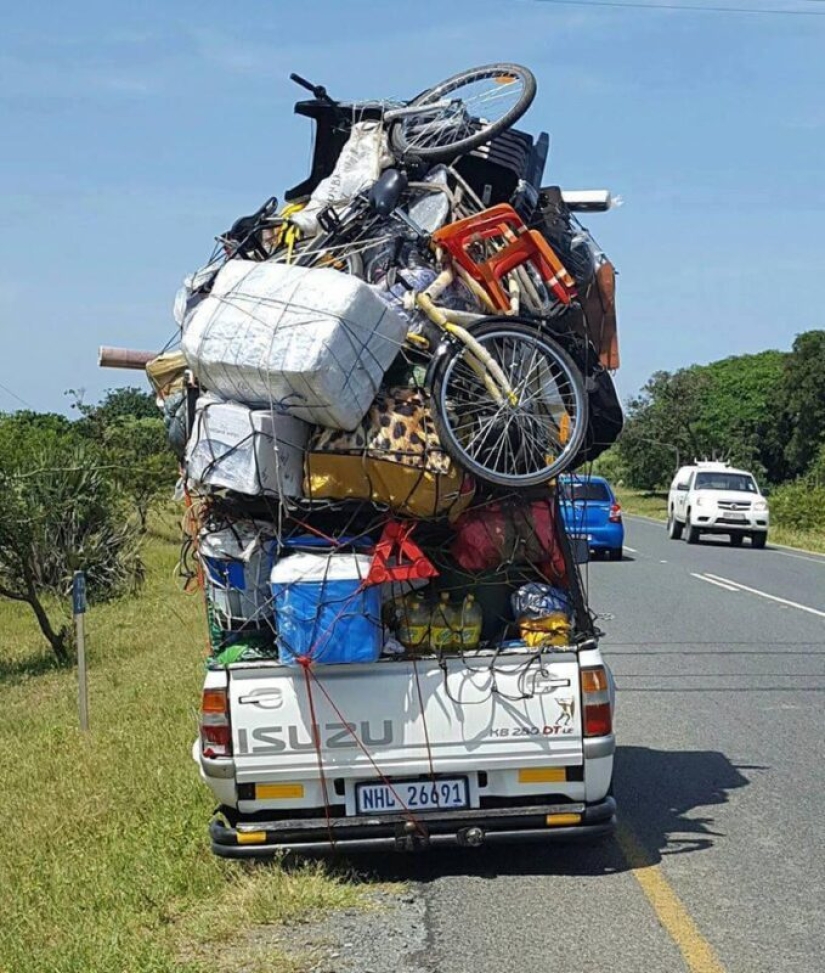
{"x":436,"y":153}
{"x":445,"y":382}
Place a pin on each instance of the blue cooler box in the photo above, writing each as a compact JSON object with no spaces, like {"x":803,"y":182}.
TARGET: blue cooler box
{"x":321,"y":610}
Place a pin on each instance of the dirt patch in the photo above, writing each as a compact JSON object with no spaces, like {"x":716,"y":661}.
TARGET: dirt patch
{"x":388,"y":936}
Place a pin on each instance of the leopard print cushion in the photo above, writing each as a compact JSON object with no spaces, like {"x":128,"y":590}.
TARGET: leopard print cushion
{"x":398,"y":428}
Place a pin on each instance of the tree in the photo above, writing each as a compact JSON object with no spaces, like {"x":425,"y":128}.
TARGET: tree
{"x":741,"y":416}
{"x":59,"y":513}
{"x":661,"y":427}
{"x":804,"y":400}
{"x":127,"y":427}
{"x":115,"y":406}
{"x":142,"y":466}
{"x":730,"y":409}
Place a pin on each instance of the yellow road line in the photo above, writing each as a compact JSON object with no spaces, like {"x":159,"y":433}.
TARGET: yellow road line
{"x":697,"y":952}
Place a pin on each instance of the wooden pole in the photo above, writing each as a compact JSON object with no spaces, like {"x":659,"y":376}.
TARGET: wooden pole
{"x":79,"y":609}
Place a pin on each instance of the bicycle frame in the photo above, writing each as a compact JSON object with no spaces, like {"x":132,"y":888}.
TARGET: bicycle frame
{"x":452,"y":324}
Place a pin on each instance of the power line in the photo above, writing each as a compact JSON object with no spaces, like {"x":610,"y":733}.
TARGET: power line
{"x":14,"y":395}
{"x":695,"y":8}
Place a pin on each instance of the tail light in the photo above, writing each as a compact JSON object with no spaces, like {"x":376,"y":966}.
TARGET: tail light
{"x":216,"y":733}
{"x":615,"y":516}
{"x":598,"y":718}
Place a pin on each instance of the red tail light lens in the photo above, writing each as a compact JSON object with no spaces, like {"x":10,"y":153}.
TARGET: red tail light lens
{"x":598,"y":716}
{"x":216,"y":734}
{"x":598,"y":720}
{"x":615,"y":516}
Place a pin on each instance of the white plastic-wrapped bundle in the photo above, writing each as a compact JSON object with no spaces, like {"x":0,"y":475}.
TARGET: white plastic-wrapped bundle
{"x":250,"y":451}
{"x":314,"y":343}
{"x":237,"y":563}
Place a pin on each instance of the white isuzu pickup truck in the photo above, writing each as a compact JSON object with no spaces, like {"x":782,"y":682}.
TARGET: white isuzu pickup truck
{"x":502,"y":745}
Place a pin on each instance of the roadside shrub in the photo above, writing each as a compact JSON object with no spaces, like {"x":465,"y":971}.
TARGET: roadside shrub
{"x":59,"y":512}
{"x":798,"y":505}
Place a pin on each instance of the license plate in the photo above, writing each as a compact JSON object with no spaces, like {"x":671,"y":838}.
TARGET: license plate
{"x":408,"y":795}
{"x":732,"y":516}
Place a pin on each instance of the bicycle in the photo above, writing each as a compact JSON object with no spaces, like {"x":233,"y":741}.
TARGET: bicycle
{"x":509,"y":403}
{"x":451,"y":118}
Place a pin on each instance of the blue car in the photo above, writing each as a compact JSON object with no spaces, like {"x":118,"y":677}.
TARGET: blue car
{"x":590,"y":510}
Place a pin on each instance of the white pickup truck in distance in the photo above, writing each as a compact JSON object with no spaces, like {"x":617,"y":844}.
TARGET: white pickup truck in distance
{"x":714,"y":498}
{"x":511,"y":744}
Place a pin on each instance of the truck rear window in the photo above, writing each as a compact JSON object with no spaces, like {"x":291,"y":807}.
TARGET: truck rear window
{"x":725,"y":481}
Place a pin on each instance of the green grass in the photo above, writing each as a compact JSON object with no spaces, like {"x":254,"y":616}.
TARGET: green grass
{"x":106,"y":864}
{"x":655,"y":505}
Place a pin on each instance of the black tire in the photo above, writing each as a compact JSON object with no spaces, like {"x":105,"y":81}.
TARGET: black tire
{"x":691,"y":533}
{"x":759,"y":540}
{"x":615,"y":553}
{"x":441,"y":377}
{"x":674,"y":528}
{"x":736,"y":540}
{"x":435,"y":153}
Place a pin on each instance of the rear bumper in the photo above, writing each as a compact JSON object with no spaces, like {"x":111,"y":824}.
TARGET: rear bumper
{"x":390,"y":832}
{"x":607,"y":538}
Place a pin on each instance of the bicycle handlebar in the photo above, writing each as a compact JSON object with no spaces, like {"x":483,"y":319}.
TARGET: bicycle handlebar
{"x":317,"y":90}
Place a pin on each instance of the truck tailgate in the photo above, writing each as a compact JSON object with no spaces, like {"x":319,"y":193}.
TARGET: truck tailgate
{"x":406,"y":718}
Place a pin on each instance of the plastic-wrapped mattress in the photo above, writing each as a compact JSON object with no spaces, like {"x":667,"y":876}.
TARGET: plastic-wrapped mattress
{"x":313,"y":343}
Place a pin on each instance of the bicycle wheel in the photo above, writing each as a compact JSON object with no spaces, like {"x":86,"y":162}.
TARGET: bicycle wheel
{"x":520,"y":443}
{"x":484,"y":102}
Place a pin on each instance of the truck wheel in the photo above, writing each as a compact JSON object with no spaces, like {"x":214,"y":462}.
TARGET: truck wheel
{"x":759,"y":540}
{"x":674,"y":528}
{"x":736,"y":540}
{"x":691,"y":533}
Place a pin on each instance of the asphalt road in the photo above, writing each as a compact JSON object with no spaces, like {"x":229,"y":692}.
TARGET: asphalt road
{"x":720,"y":862}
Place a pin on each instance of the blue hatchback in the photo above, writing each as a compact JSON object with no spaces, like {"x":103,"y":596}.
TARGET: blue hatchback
{"x":590,"y":510}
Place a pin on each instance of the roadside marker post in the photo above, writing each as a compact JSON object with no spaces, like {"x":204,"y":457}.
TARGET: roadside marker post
{"x":79,"y":611}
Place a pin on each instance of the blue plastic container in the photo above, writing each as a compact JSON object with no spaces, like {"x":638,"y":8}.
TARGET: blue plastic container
{"x":237,"y":562}
{"x":322,"y":610}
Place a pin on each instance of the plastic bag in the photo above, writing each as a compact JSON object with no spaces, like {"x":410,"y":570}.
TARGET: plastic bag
{"x":536,"y":601}
{"x":364,"y":155}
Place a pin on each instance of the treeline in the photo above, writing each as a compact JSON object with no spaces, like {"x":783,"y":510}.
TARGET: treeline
{"x":764,"y":412}
{"x":75,"y":495}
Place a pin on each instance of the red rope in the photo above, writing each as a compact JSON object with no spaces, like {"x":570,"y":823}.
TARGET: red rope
{"x":381,"y":775}
{"x":306,"y":665}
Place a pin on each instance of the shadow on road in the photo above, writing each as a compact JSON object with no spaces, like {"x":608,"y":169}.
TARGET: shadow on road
{"x":656,"y":790}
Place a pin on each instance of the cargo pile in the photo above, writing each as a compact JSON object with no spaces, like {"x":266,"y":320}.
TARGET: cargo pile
{"x":379,"y":382}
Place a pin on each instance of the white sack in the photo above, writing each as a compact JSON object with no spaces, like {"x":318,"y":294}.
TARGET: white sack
{"x":365,"y":153}
{"x":311,"y":343}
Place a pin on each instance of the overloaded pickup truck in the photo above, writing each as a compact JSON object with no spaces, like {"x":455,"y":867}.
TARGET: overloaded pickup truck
{"x":506,"y":744}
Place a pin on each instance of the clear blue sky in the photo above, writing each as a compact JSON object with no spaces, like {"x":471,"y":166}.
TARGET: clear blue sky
{"x":133,"y":133}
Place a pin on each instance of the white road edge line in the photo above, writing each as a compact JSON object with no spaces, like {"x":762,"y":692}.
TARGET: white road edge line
{"x":631,"y":549}
{"x":799,"y":557}
{"x":764,"y":594}
{"x":701,"y":577}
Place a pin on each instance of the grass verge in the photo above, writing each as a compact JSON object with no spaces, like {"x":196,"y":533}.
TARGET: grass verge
{"x":655,"y":505}
{"x":106,"y":864}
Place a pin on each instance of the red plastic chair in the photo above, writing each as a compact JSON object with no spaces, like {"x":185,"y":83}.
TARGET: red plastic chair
{"x":518,"y":245}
